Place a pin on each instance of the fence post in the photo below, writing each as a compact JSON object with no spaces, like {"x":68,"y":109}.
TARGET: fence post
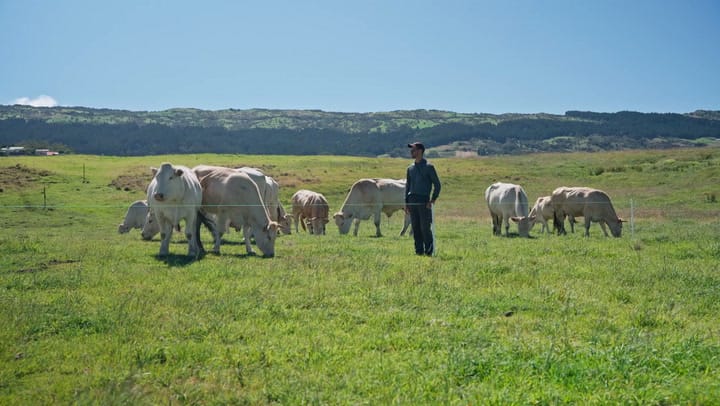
{"x":632,"y":219}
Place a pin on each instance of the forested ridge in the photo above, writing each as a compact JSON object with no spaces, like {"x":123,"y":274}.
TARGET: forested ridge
{"x":312,"y":132}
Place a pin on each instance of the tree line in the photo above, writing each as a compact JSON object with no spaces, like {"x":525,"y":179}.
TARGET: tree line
{"x":314,"y":132}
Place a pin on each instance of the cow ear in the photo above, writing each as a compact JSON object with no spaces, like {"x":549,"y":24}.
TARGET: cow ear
{"x":621,"y":220}
{"x":515,"y":219}
{"x":178,"y":172}
{"x":154,"y":170}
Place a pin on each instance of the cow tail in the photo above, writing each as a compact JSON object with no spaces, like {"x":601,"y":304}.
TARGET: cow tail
{"x":203,"y":218}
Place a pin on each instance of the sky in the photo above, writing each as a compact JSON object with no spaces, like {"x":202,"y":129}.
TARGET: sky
{"x":475,"y":56}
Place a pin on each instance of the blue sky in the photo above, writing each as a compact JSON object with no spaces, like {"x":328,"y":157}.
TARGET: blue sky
{"x":514,"y":56}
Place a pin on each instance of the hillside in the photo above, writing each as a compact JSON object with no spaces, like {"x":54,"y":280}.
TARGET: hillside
{"x":312,"y":132}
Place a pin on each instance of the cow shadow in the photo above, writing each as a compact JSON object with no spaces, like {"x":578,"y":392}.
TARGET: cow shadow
{"x":179,"y":260}
{"x":517,"y":235}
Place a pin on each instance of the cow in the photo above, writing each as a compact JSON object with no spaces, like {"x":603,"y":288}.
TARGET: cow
{"x":542,"y":211}
{"x":233,"y":196}
{"x":371,"y":197}
{"x":311,"y":207}
{"x":151,"y":227}
{"x":275,"y":208}
{"x":175,"y":194}
{"x":269,"y":190}
{"x":134,"y":216}
{"x":592,"y":204}
{"x":507,"y":201}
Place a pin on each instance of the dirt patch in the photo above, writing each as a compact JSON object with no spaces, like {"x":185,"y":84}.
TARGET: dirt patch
{"x":136,"y":179}
{"x":19,"y":176}
{"x":45,"y":266}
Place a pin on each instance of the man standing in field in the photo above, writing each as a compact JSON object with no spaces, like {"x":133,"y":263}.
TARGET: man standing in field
{"x":422,"y":179}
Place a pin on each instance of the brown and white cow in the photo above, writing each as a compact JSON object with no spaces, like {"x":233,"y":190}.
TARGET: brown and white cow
{"x":311,"y":207}
{"x":175,"y":194}
{"x":507,"y":201}
{"x":542,"y":211}
{"x":592,"y":204}
{"x":369,"y":198}
{"x":233,"y":196}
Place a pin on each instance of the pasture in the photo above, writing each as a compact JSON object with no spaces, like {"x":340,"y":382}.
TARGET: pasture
{"x":90,"y":316}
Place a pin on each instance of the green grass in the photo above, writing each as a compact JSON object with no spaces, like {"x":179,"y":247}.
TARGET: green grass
{"x":91,"y":316}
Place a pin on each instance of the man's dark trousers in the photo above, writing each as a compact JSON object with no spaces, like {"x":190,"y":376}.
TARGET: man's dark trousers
{"x":421,"y":220}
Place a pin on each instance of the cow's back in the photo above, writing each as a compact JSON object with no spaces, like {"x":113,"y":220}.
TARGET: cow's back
{"x":392,"y":192}
{"x":506,"y":199}
{"x":364,"y":195}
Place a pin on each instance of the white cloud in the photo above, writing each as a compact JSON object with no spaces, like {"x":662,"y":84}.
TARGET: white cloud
{"x":40,"y":101}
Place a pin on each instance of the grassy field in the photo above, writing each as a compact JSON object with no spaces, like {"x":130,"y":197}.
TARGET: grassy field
{"x":90,"y":316}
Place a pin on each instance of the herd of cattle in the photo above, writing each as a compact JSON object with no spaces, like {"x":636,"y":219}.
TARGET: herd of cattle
{"x":246,"y":199}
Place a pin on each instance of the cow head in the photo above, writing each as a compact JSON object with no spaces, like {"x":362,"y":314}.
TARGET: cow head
{"x":317,"y":225}
{"x":284,"y":222}
{"x":265,"y":239}
{"x":168,"y":182}
{"x":616,"y":227}
{"x":524,"y":224}
{"x":151,"y":227}
{"x":343,"y":221}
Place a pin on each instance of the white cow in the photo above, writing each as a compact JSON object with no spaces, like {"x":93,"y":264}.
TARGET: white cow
{"x":275,"y":208}
{"x":370,"y":197}
{"x":506,"y":202}
{"x":151,"y":227}
{"x":175,"y":194}
{"x":233,"y":196}
{"x":269,"y":190}
{"x":592,"y":204}
{"x":542,"y":211}
{"x":311,"y":207}
{"x":134,"y":216}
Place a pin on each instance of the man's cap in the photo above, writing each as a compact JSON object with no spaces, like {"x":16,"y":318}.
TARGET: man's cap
{"x":418,"y":145}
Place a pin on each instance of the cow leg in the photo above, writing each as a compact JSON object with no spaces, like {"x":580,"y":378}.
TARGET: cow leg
{"x":357,"y":225}
{"x":247,"y":232}
{"x":377,"y":225}
{"x":166,"y":229}
{"x":406,"y":220}
{"x":296,"y":219}
{"x":506,"y":223}
{"x":602,"y":225}
{"x":559,"y":223}
{"x":587,"y":226}
{"x":221,"y":227}
{"x":190,"y":226}
{"x":571,"y":219}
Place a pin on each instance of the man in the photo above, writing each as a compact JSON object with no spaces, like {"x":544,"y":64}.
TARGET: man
{"x":422,"y":179}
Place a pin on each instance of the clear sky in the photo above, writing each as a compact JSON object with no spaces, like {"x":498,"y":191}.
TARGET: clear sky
{"x":504,"y":56}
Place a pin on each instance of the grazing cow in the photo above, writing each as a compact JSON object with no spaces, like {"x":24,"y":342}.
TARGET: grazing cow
{"x":175,"y":194}
{"x":134,"y":217}
{"x":542,"y":211}
{"x":506,"y":202}
{"x":233,"y":196}
{"x":275,"y":208}
{"x":151,"y":227}
{"x":592,"y":204}
{"x":311,"y":207}
{"x":370,"y":197}
{"x":268,"y":188}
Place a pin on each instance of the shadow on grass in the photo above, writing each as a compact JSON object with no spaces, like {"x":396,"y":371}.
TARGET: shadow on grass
{"x":178,"y":260}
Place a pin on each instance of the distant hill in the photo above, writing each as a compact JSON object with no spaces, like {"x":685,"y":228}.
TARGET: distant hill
{"x":312,"y":132}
